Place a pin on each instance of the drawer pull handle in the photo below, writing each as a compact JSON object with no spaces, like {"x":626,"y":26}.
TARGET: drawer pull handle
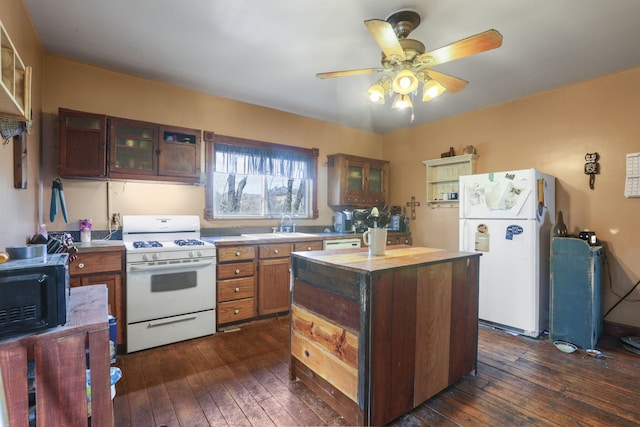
{"x":237,"y":289}
{"x":237,"y":271}
{"x":275,"y":251}
{"x":236,"y":311}
{"x":81,"y":265}
{"x":238,"y":253}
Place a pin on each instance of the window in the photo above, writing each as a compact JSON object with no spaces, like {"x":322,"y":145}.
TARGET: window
{"x":255,"y":179}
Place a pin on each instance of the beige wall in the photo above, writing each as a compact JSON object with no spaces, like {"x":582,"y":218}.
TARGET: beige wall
{"x":17,"y":206}
{"x":551,"y":132}
{"x":78,"y":86}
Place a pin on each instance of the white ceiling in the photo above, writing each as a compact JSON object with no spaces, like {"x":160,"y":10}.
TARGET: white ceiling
{"x":267,"y":52}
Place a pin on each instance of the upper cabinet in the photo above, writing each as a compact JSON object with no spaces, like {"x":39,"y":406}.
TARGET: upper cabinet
{"x":357,"y":181}
{"x":83,"y":144}
{"x":442,"y":176}
{"x":96,"y":146}
{"x":15,"y":85}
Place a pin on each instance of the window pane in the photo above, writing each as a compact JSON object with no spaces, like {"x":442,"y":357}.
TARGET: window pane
{"x":237,"y":195}
{"x":286,"y":196}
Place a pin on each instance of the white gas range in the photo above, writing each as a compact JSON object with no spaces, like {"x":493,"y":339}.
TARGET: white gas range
{"x":171,"y":283}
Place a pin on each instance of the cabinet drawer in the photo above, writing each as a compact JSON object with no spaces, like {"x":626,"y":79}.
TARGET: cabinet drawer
{"x":233,"y":311}
{"x":235,"y":270}
{"x":308,"y":246}
{"x":280,"y":250}
{"x":99,"y":262}
{"x":236,"y":253}
{"x":234,"y":289}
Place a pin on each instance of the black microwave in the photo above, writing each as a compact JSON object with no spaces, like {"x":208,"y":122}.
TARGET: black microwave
{"x":34,"y":294}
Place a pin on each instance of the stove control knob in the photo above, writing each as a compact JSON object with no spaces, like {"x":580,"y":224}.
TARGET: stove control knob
{"x":145,"y":257}
{"x":156,"y":256}
{"x":190,"y":254}
{"x":199,"y":253}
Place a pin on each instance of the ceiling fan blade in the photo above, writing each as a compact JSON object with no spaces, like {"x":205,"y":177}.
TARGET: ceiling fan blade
{"x":482,"y":42}
{"x":451,"y":83}
{"x":386,"y":38}
{"x":332,"y":74}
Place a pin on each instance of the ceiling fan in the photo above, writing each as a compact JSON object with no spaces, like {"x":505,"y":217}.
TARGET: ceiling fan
{"x":407,"y":62}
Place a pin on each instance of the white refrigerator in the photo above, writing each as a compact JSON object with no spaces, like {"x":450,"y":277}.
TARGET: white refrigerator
{"x":507,"y":217}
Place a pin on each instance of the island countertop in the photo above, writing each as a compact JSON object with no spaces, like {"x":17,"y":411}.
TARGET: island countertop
{"x":394,"y":257}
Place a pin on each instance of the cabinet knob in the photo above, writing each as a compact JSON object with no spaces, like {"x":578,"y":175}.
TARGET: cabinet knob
{"x":308,"y":248}
{"x":237,"y":271}
{"x":237,"y":289}
{"x":238,"y":253}
{"x":275,"y":251}
{"x":236,"y":311}
{"x":388,"y":242}
{"x":81,"y":265}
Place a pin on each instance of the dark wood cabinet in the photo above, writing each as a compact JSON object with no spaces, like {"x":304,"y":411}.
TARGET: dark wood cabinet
{"x":273,"y":278}
{"x":179,"y":152}
{"x":149,"y":151}
{"x":103,"y":266}
{"x":101,"y":147}
{"x":82,"y":144}
{"x":236,"y":283}
{"x":357,"y":181}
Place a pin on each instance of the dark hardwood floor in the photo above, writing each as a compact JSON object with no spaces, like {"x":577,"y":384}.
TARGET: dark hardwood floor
{"x":241,"y":379}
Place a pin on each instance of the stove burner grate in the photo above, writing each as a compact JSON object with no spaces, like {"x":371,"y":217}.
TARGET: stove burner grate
{"x":188,"y":242}
{"x":147,"y":244}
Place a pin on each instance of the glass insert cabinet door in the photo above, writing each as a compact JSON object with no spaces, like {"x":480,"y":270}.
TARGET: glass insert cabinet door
{"x":355,"y":181}
{"x":375,"y":179}
{"x":132,"y":146}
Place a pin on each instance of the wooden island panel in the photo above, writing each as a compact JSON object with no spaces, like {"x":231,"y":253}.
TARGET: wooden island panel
{"x":410,"y":315}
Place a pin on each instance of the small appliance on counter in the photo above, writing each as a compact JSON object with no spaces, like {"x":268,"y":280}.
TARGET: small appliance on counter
{"x":34,"y":294}
{"x":343,"y":222}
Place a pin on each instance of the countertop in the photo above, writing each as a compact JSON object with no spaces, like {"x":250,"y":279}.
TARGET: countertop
{"x":276,"y":238}
{"x":99,"y":245}
{"x":398,"y":256}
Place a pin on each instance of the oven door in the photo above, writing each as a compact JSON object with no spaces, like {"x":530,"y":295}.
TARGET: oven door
{"x":161,"y":289}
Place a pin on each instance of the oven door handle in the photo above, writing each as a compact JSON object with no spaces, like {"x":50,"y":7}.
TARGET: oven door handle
{"x":173,"y":319}
{"x":173,"y":266}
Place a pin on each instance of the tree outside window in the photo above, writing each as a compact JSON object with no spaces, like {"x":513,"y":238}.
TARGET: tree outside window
{"x":253,"y":179}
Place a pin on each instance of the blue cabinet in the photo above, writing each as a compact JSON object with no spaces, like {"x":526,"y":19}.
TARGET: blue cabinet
{"x":576,"y":295}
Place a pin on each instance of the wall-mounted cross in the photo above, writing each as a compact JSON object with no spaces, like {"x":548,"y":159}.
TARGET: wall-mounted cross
{"x":412,"y":204}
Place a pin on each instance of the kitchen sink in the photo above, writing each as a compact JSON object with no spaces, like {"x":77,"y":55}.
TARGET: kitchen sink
{"x":278,"y":235}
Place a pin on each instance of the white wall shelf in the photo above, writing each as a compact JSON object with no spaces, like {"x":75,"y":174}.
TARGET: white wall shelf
{"x":15,"y":84}
{"x":442,"y":177}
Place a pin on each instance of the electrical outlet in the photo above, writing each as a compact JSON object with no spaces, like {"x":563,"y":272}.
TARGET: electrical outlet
{"x":115,"y":219}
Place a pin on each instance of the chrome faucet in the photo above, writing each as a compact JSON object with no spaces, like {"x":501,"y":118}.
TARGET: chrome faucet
{"x":291,"y":228}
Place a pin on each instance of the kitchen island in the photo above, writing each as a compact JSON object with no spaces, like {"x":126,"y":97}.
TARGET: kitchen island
{"x":376,"y":336}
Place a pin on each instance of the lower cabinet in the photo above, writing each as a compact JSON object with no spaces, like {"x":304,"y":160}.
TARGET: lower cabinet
{"x":273,"y":278}
{"x":236,"y":284}
{"x":97,"y":266}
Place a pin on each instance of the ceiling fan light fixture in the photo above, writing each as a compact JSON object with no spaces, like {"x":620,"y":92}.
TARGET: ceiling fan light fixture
{"x":402,"y":101}
{"x":405,"y":82}
{"x":379,"y":90}
{"x":432,"y":89}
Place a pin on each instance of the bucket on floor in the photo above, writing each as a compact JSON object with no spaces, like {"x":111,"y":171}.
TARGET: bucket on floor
{"x":113,"y":337}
